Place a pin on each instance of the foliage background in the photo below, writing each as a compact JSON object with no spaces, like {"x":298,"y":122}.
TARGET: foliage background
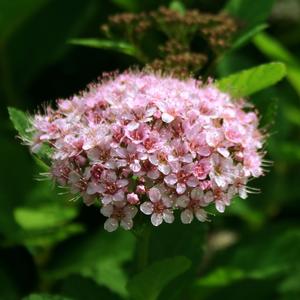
{"x":51,"y":246}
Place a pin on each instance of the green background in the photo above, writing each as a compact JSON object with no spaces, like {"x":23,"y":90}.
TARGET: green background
{"x":49,"y":245}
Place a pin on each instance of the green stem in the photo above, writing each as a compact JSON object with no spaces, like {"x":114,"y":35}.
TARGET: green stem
{"x":143,"y":240}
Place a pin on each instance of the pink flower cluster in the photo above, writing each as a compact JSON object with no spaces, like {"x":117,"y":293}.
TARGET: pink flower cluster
{"x":154,"y":144}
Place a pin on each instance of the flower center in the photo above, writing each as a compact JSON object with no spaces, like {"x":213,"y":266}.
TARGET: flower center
{"x":111,"y":188}
{"x":158,"y":207}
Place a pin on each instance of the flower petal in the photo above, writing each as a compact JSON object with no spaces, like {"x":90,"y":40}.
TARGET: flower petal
{"x":130,"y":211}
{"x":154,"y":194}
{"x":201,"y":214}
{"x":196,"y":194}
{"x":180,"y":188}
{"x":126,"y":223}
{"x":167,"y":118}
{"x":220,"y":206}
{"x":156,"y":219}
{"x":183,"y":201}
{"x":186,"y":216}
{"x":107,"y":210}
{"x":170,"y":179}
{"x":164,"y":168}
{"x":111,"y":224}
{"x":168,"y":216}
{"x":153,"y":174}
{"x":147,"y":208}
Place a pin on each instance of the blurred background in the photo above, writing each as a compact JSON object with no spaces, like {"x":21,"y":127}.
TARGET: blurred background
{"x":50,"y":245}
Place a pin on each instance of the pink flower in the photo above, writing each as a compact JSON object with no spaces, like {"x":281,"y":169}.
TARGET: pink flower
{"x":152,"y":142}
{"x":222,"y":170}
{"x":182,"y":178}
{"x":133,"y":198}
{"x":202,"y":168}
{"x":110,"y":187}
{"x":193,"y":205}
{"x":158,"y":207}
{"x":118,"y":213}
{"x":160,"y":160}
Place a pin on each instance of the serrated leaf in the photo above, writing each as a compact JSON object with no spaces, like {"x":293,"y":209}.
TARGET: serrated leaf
{"x":252,"y":80}
{"x":119,"y":46}
{"x":20,"y":121}
{"x":148,"y":284}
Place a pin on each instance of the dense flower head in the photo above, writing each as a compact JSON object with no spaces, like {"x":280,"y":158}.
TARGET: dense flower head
{"x":154,"y":144}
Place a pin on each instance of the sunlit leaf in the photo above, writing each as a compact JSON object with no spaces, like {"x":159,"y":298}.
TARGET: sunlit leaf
{"x":20,"y":121}
{"x":247,"y":36}
{"x":122,"y":47}
{"x":44,"y":217}
{"x":274,"y":50}
{"x":178,"y":6}
{"x":252,"y":80}
{"x":148,"y":284}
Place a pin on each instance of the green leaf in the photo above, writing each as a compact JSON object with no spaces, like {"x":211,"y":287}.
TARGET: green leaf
{"x":122,"y":47}
{"x":178,"y":6}
{"x":251,"y":15}
{"x":265,"y":256}
{"x":20,"y":121}
{"x":44,"y":44}
{"x":50,"y":237}
{"x":250,"y":81}
{"x":89,"y":289}
{"x":45,"y":297}
{"x":128,"y":5}
{"x":99,"y":256}
{"x":168,"y":241}
{"x":247,"y":36}
{"x":274,"y":50}
{"x":148,"y":284}
{"x":8,"y":286}
{"x":221,"y":277}
{"x":14,"y":184}
{"x":243,"y":209}
{"x":14,"y":13}
{"x":44,"y":217}
{"x":291,"y":283}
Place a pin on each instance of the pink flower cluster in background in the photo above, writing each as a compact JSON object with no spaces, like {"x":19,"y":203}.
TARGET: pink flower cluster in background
{"x":154,"y":144}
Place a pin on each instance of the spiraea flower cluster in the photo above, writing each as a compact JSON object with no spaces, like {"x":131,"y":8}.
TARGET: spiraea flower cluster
{"x":152,"y":144}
